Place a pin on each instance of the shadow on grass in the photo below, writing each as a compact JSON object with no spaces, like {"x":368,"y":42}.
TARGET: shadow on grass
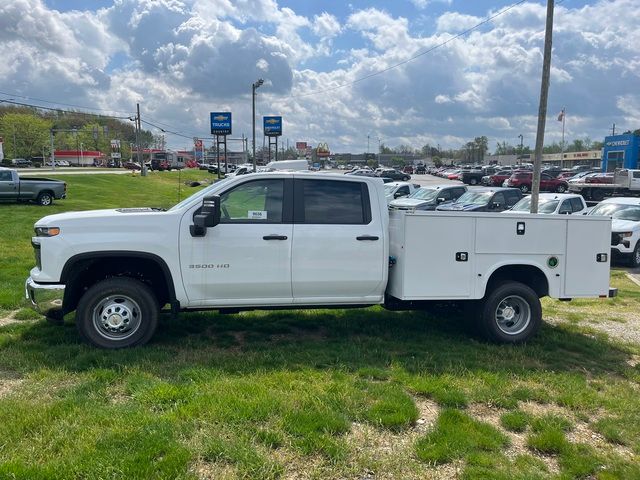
{"x":348,"y":340}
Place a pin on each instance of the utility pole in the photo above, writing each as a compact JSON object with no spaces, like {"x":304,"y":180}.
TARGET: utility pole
{"x":254,"y":85}
{"x":542,"y":109}
{"x":613,"y":130}
{"x":521,"y":148}
{"x":143,"y":170}
{"x":53,"y":151}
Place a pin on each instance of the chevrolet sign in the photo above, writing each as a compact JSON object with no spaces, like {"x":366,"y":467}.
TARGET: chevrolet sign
{"x":272,"y":126}
{"x":220,"y":123}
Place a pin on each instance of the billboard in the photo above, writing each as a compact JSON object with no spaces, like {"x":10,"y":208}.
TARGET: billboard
{"x":272,"y":126}
{"x":302,"y":146}
{"x":220,"y":123}
{"x":115,"y":149}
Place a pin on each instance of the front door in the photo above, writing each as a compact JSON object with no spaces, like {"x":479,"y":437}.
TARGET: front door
{"x":246,"y":258}
{"x":8,"y":187}
{"x":338,"y":243}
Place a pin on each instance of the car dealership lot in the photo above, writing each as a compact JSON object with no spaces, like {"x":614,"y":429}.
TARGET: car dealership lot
{"x":300,"y":394}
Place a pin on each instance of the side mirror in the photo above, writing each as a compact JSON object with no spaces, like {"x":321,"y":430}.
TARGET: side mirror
{"x":208,"y":217}
{"x":495,"y":205}
{"x":440,"y":199}
{"x":399,"y":194}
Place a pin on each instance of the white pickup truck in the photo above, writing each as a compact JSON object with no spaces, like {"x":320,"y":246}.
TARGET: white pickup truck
{"x":308,"y":240}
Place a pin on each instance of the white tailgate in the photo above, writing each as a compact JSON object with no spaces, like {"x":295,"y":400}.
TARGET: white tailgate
{"x":584,"y":276}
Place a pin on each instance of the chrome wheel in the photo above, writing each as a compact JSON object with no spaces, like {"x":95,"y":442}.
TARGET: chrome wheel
{"x":513,"y":315}
{"x":117,"y":317}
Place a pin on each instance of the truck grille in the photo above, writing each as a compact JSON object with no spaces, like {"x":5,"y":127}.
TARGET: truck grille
{"x":36,"y":251}
{"x":616,"y":239}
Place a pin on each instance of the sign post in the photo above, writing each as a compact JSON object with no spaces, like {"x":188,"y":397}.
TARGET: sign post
{"x":272,"y":127}
{"x":221,"y":127}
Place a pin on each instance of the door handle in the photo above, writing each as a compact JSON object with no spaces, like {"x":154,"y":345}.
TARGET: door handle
{"x":274,"y":237}
{"x":367,"y":237}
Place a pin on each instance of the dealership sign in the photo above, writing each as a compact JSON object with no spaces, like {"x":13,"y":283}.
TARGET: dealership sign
{"x":272,"y":126}
{"x":115,"y":149}
{"x":617,"y":143}
{"x":220,"y":123}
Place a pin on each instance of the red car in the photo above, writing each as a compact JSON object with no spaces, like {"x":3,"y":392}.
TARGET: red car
{"x":599,"y":178}
{"x":523,"y":180}
{"x":408,"y":169}
{"x":497,"y":179}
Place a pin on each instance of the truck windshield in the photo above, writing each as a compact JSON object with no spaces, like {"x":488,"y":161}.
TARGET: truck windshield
{"x":424,"y":194}
{"x":545,"y":205}
{"x":475,"y":198}
{"x":618,"y":211}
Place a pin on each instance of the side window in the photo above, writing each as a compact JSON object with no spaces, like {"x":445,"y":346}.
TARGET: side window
{"x":446,"y":194}
{"x":334,"y":202}
{"x":577,"y":205}
{"x":259,"y":201}
{"x":5,"y":176}
{"x":565,"y":207}
{"x":498,"y":198}
{"x":512,"y":198}
{"x":544,"y":176}
{"x":457,"y":192}
{"x":636,"y":174}
{"x":403,"y":190}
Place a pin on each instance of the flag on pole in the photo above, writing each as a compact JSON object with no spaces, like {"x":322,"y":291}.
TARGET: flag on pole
{"x":561,"y":116}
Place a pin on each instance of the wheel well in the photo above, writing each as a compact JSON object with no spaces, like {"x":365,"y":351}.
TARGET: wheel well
{"x":79,"y":274}
{"x":527,"y":274}
{"x":50,"y":192}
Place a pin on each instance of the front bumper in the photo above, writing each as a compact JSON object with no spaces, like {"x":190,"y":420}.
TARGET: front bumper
{"x":46,"y":299}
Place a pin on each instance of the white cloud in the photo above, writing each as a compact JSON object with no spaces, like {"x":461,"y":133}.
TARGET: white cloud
{"x":182,"y":59}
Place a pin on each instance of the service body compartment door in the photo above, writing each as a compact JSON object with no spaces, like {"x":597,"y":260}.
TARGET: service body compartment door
{"x":437,"y":257}
{"x":586,"y":238}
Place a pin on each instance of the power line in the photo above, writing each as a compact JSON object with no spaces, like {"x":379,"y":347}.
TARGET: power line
{"x":420,"y":54}
{"x":22,"y":104}
{"x":60,"y":103}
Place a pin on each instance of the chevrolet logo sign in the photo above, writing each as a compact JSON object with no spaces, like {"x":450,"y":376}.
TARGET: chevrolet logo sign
{"x":271,"y":121}
{"x":220,"y":118}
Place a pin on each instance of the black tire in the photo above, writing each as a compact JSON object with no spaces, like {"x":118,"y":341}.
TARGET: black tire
{"x":561,"y":188}
{"x":45,"y":199}
{"x":520,"y":298}
{"x":524,"y":188}
{"x":634,"y":260}
{"x":135,"y":322}
{"x":473,"y":181}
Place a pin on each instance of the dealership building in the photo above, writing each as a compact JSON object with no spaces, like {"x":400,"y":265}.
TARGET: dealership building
{"x":620,"y":151}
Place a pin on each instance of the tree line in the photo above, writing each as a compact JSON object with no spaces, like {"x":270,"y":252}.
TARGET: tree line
{"x":26,"y":132}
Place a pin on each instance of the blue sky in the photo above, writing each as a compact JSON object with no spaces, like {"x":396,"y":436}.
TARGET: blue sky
{"x":182,"y":59}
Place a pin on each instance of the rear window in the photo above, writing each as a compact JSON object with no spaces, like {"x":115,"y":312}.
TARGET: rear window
{"x":335,"y":202}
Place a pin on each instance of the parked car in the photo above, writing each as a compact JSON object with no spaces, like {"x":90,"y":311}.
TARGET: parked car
{"x":420,"y":170}
{"x":606,"y":178}
{"x":20,"y":163}
{"x":625,"y":227}
{"x":523,"y":181}
{"x":553,"y":203}
{"x":40,"y":190}
{"x":484,"y":199}
{"x":131,"y":166}
{"x":454,"y":175}
{"x":472,"y":177}
{"x":361,"y":172}
{"x":408,"y":169}
{"x":497,"y":179}
{"x":395,"y":175}
{"x":393,"y":190}
{"x":428,"y":198}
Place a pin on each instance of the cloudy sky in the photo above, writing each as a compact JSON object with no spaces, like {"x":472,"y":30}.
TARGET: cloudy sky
{"x":336,"y":71}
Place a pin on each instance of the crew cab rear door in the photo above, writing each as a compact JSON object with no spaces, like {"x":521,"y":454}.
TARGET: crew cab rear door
{"x":339,"y":242}
{"x":8,"y":185}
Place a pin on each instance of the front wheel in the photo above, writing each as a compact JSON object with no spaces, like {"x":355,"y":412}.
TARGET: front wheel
{"x":473,"y":181}
{"x":511,"y":313}
{"x":524,"y":188}
{"x":634,"y":261}
{"x":117,"y":313}
{"x":561,"y":188}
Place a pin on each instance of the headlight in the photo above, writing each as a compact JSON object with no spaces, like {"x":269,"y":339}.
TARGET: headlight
{"x":625,"y":234}
{"x":47,"y":231}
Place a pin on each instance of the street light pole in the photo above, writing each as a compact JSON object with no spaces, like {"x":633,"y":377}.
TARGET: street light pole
{"x":254,"y":86}
{"x":521,"y":147}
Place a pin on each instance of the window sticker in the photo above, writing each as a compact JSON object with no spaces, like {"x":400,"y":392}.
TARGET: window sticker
{"x":257,"y":214}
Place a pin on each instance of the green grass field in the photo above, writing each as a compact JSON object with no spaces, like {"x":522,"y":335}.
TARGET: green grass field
{"x":359,"y":394}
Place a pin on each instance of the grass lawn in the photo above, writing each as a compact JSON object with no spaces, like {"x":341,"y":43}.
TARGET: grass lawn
{"x":308,"y":394}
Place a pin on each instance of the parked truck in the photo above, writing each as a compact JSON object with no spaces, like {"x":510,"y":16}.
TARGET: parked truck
{"x":43,"y":191}
{"x":283,"y":240}
{"x":626,"y":182}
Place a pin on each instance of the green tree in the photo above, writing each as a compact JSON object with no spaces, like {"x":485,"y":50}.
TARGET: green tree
{"x":25,"y":134}
{"x":385,"y":149}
